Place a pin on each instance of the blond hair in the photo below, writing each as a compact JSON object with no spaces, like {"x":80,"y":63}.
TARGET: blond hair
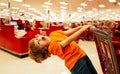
{"x":36,"y":53}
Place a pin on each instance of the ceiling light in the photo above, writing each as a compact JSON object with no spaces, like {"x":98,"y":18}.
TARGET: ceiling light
{"x":79,"y":8}
{"x":108,"y":10}
{"x":63,"y":7}
{"x":64,"y":3}
{"x":62,"y":10}
{"x":33,"y":9}
{"x":118,"y":3}
{"x":3,"y":4}
{"x":102,"y":12}
{"x":48,"y":3}
{"x":83,"y":4}
{"x":112,"y":1}
{"x":101,"y":5}
{"x":89,"y":12}
{"x":26,"y":5}
{"x":95,"y":9}
{"x":15,"y":8}
{"x":90,"y":0}
{"x":18,"y":0}
{"x":45,"y":6}
{"x":22,"y":10}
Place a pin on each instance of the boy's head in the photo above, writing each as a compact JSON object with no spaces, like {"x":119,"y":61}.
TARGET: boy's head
{"x":36,"y":53}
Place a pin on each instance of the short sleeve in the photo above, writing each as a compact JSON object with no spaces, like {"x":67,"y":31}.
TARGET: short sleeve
{"x":55,"y":48}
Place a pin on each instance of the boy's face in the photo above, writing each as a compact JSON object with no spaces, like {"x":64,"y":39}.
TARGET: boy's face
{"x":41,"y":41}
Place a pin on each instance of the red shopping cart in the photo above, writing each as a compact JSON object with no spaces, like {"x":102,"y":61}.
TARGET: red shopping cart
{"x":106,"y":51}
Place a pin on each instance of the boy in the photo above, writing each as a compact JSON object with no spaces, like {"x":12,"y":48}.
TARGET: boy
{"x":62,"y":44}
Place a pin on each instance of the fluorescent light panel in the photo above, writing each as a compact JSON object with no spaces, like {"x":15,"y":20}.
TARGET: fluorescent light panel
{"x":25,"y":5}
{"x":63,"y":3}
{"x":18,"y":0}
{"x":112,"y":1}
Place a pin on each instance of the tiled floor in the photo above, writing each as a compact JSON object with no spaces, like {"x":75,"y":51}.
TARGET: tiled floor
{"x":10,"y":64}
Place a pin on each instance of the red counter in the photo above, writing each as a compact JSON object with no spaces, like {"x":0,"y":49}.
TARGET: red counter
{"x":19,"y":46}
{"x":8,"y":41}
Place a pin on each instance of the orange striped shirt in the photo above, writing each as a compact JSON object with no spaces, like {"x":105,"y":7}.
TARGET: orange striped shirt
{"x":70,"y":54}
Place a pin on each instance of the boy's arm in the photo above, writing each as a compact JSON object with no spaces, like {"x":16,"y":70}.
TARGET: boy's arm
{"x":71,"y":31}
{"x":74,"y":36}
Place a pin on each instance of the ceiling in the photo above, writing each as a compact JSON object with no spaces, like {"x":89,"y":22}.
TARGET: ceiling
{"x":111,"y":11}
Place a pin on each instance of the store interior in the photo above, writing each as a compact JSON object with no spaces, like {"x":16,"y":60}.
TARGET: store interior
{"x":61,"y":10}
{"x":22,"y":20}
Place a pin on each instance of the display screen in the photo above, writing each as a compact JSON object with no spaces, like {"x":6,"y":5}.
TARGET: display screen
{"x":13,"y":23}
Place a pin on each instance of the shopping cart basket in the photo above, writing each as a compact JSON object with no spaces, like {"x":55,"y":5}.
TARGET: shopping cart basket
{"x":105,"y":51}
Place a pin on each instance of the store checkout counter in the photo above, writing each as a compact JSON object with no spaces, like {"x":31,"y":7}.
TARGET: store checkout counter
{"x":19,"y":46}
{"x":9,"y":43}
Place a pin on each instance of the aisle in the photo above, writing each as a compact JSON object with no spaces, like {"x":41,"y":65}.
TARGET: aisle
{"x":90,"y":48}
{"x":10,"y":64}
